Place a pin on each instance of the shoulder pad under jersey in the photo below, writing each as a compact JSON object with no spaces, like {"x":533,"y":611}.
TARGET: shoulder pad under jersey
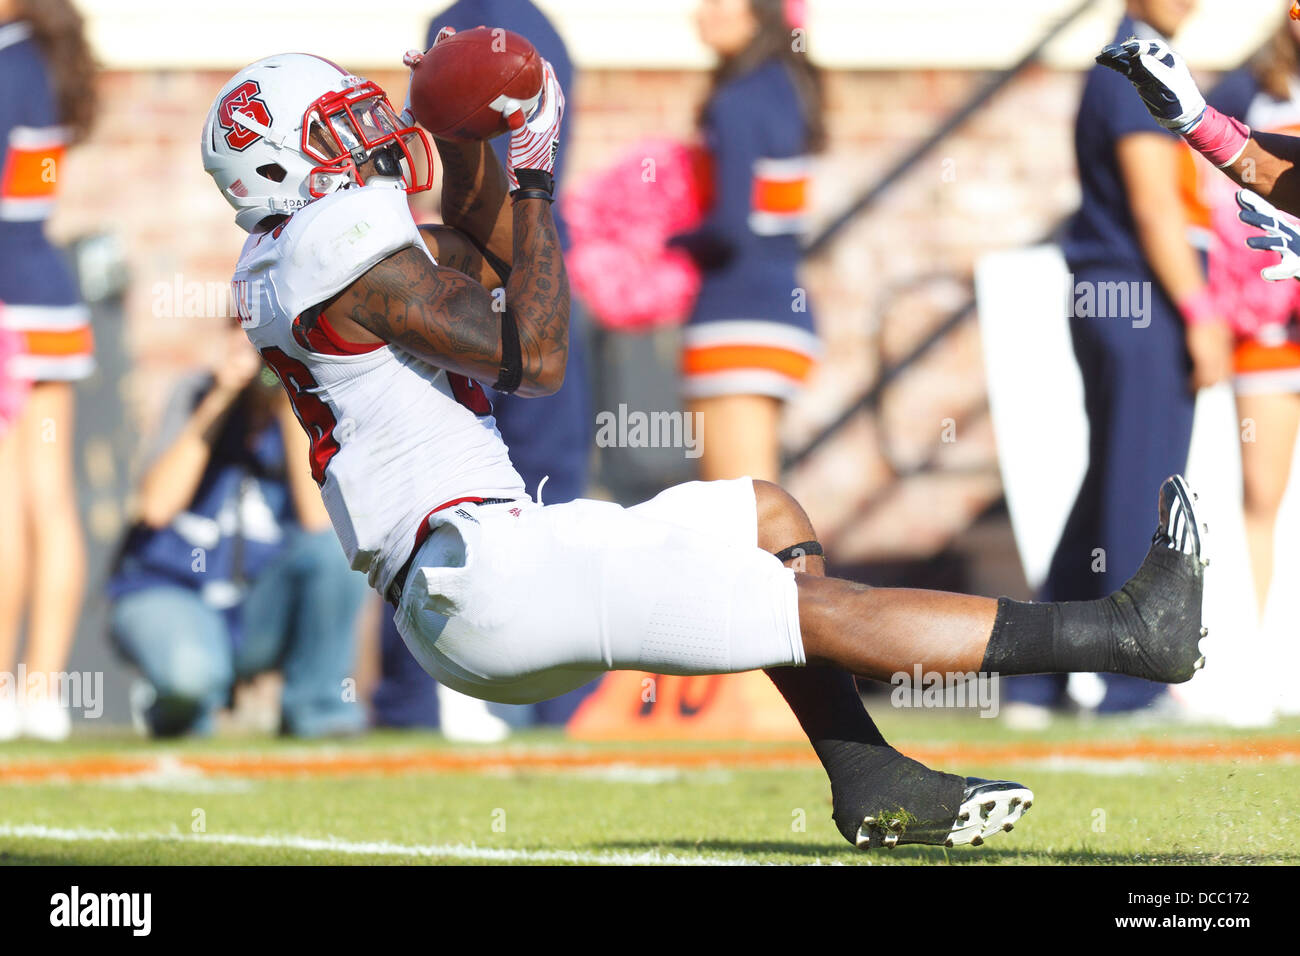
{"x":332,"y":242}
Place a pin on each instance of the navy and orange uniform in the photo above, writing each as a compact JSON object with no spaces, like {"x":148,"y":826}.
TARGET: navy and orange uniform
{"x":1134,"y":371}
{"x":39,"y":299}
{"x":751,"y":331}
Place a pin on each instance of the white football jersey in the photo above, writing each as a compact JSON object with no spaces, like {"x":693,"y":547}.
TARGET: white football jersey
{"x":392,"y":437}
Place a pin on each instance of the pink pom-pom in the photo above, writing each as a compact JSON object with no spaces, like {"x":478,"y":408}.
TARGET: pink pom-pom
{"x":619,"y":221}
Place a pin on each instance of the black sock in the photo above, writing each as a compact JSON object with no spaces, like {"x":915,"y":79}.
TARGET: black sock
{"x":1134,"y":631}
{"x":1051,"y":638}
{"x":867,"y":775}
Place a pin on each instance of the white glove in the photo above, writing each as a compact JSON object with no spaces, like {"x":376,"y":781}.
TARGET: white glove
{"x":534,"y":143}
{"x":1162,"y":80}
{"x":1279,"y":235}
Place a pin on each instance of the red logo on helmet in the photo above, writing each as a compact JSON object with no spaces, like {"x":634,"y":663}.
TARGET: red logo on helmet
{"x":245,"y":98}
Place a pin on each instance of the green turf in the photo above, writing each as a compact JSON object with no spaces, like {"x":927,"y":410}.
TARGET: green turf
{"x":1238,"y":812}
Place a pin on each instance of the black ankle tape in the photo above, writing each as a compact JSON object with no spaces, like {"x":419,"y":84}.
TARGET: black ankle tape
{"x":1023,"y":639}
{"x":807,"y":549}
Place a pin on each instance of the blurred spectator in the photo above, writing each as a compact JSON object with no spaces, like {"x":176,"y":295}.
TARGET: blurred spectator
{"x":1130,"y":233}
{"x":1265,"y":94}
{"x":47,"y":74}
{"x":750,"y":342}
{"x":549,"y":438}
{"x":232,"y":569}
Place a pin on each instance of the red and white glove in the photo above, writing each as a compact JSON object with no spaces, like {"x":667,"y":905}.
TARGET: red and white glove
{"x":535,"y":142}
{"x":411,"y":59}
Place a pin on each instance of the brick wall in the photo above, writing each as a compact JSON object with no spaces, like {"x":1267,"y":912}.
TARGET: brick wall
{"x":1000,"y":182}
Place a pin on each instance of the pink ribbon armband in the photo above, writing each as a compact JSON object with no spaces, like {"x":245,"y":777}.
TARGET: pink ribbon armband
{"x":1220,"y":139}
{"x":1198,"y":308}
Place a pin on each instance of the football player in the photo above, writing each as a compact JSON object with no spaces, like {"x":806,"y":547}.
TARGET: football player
{"x":380,"y":332}
{"x":1264,"y":163}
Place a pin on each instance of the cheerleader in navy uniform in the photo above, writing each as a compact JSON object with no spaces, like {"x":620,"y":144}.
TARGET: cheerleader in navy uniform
{"x":47,"y":75}
{"x":750,"y":342}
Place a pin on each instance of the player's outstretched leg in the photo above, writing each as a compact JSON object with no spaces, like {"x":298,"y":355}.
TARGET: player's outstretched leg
{"x":1151,"y":627}
{"x":879,"y":796}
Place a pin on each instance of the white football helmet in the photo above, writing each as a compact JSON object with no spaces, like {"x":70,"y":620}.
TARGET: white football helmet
{"x":295,"y":127}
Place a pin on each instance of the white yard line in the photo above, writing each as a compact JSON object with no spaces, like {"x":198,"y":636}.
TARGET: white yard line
{"x":380,"y":848}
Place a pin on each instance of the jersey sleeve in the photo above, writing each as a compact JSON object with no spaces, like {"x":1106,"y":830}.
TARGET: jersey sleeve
{"x":31,"y":137}
{"x":756,"y":139}
{"x":337,"y":239}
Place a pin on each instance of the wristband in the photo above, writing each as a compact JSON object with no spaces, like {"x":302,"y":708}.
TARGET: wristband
{"x":1220,"y":139}
{"x":535,"y":179}
{"x":521,"y":193}
{"x":1198,"y":308}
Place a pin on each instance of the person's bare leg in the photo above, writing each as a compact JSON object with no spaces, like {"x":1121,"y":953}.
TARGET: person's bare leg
{"x":13,"y":547}
{"x":740,"y":437}
{"x":58,"y":551}
{"x":1265,"y":471}
{"x":13,"y":574}
{"x":893,"y":629}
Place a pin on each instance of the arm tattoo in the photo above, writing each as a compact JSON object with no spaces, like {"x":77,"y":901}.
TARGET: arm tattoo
{"x":537,"y":292}
{"x":437,"y":314}
{"x":475,"y":197}
{"x":447,"y":319}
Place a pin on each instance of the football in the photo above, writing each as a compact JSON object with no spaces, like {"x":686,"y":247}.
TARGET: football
{"x":454,"y":87}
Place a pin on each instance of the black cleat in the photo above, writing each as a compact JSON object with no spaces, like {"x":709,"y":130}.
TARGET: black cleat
{"x":988,"y":807}
{"x":1163,"y":600}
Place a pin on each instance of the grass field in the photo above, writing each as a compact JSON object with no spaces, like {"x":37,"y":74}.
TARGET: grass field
{"x":1107,"y":792}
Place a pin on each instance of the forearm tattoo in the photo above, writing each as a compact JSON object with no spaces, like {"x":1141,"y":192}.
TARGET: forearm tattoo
{"x":446,"y":318}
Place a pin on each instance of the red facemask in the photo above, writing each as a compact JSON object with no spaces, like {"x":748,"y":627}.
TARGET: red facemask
{"x":344,"y":131}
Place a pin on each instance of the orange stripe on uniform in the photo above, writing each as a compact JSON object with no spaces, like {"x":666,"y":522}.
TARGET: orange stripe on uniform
{"x":30,"y":173}
{"x":729,"y":358}
{"x":780,"y":195}
{"x":1252,"y":356}
{"x":80,"y":341}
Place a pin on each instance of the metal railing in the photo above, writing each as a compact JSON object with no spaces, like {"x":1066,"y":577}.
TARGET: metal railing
{"x":889,"y":373}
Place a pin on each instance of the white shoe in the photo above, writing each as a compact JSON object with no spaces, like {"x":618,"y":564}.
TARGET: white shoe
{"x":10,"y":721}
{"x":44,"y":719}
{"x":467,"y":720}
{"x":988,"y":807}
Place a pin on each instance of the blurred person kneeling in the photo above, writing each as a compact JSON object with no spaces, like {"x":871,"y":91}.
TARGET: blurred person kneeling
{"x":231,"y":569}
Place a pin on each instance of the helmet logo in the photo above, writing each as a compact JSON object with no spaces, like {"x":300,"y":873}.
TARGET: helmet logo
{"x":245,"y":98}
